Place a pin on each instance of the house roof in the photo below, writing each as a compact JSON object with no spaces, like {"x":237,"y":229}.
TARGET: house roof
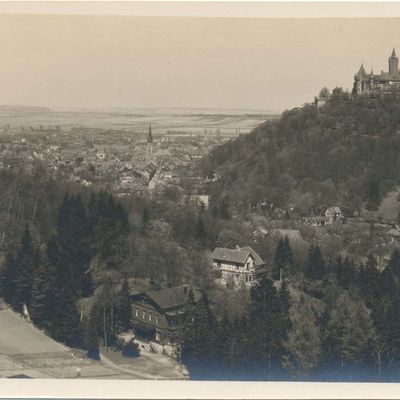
{"x":334,"y":210}
{"x":393,"y":232}
{"x":167,"y":298}
{"x":257,"y":259}
{"x":238,"y":255}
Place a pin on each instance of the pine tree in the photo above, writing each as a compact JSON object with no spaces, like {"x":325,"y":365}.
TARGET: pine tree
{"x":200,"y":230}
{"x":304,"y":343}
{"x":394,"y":263}
{"x":345,"y":272}
{"x":283,"y":257}
{"x":92,"y":334}
{"x":8,"y":280}
{"x":391,"y":328}
{"x":123,"y":309}
{"x":350,"y":331}
{"x":280,"y":259}
{"x":72,"y":240}
{"x":316,"y":267}
{"x":68,"y":329}
{"x":26,"y":261}
{"x":368,"y":282}
{"x":199,"y":350}
{"x":44,"y":292}
{"x":267,"y":329}
{"x":285,"y":303}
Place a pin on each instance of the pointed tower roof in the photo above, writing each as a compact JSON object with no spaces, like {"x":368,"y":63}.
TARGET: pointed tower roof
{"x":393,"y":53}
{"x":150,"y":136}
{"x":361,"y":72}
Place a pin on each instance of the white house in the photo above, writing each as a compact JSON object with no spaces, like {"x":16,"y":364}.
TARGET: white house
{"x":234,"y":267}
{"x":332,"y":215}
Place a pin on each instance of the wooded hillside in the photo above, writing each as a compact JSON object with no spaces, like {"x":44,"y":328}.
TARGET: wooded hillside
{"x":344,"y":152}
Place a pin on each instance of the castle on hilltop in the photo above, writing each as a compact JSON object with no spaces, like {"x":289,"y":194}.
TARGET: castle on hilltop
{"x":385,"y":81}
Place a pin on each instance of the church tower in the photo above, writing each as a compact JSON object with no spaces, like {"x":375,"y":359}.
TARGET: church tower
{"x":149,"y":147}
{"x":393,"y":64}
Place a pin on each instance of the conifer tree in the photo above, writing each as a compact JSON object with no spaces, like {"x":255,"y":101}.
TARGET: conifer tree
{"x":394,"y":263}
{"x":200,"y":230}
{"x":391,"y":328}
{"x":368,"y":282}
{"x":44,"y":293}
{"x":285,"y":303}
{"x":123,"y":309}
{"x":350,"y":331}
{"x":26,"y":261}
{"x":92,"y":333}
{"x":316,"y":268}
{"x":304,"y":343}
{"x":267,"y":330}
{"x":345,"y":272}
{"x":72,"y":239}
{"x":8,"y":280}
{"x":69,"y":328}
{"x":198,"y":349}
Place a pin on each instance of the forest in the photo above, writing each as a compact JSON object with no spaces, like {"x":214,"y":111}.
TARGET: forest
{"x":344,"y":152}
{"x":327,"y":310}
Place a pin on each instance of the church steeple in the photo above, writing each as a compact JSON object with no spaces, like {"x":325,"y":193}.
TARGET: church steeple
{"x":393,"y":63}
{"x":149,"y":147}
{"x":150,"y":136}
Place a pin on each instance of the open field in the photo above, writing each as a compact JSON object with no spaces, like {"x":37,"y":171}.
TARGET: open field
{"x":26,"y":351}
{"x":162,"y":120}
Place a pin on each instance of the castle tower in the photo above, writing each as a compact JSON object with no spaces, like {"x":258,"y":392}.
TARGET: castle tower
{"x":149,"y":147}
{"x":393,"y":64}
{"x":360,"y":80}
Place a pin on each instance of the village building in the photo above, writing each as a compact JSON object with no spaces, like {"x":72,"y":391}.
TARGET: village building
{"x":159,"y":317}
{"x":332,"y":215}
{"x":236,"y":267}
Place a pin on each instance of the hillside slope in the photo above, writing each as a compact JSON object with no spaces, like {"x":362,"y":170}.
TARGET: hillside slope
{"x":345,"y":152}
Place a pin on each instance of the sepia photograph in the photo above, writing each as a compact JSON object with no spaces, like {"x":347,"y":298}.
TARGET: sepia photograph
{"x":195,"y":197}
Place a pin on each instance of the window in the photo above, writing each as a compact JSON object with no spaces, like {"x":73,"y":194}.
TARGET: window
{"x":143,"y":314}
{"x":137,"y":312}
{"x":150,"y":316}
{"x":157,"y":319}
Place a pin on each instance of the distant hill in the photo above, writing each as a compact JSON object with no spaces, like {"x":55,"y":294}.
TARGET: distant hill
{"x":343,"y":153}
{"x":17,"y":108}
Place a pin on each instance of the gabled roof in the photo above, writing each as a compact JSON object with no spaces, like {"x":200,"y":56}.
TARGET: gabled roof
{"x":238,"y":255}
{"x":168,"y":298}
{"x":257,"y":259}
{"x":334,"y":210}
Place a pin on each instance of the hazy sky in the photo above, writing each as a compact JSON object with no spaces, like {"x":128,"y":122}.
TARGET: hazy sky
{"x":267,"y":64}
